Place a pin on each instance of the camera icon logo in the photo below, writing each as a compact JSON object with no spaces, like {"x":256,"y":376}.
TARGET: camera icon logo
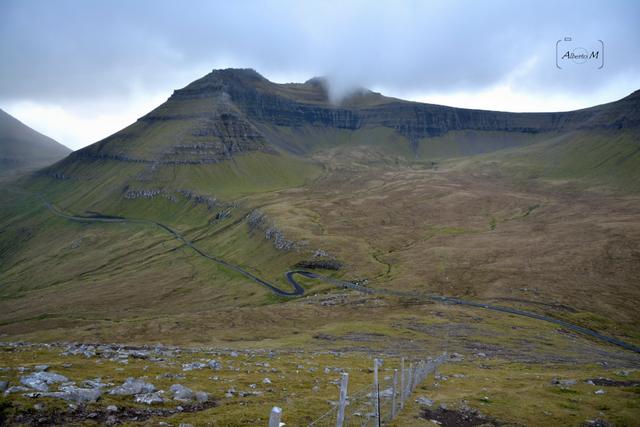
{"x":571,"y":53}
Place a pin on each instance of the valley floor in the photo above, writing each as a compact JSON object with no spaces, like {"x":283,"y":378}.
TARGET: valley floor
{"x":455,"y":229}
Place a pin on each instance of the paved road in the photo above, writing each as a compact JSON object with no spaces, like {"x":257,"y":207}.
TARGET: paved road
{"x":297,"y":288}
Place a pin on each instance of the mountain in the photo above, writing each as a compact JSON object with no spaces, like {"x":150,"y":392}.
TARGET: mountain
{"x":234,"y":132}
{"x":532,"y":210}
{"x":23,"y":148}
{"x":234,"y":111}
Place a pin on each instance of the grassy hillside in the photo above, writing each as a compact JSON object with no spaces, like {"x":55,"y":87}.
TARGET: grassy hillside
{"x":22,"y":148}
{"x":606,"y":159}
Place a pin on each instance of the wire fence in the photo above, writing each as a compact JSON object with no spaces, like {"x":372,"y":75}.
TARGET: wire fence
{"x":379,"y":402}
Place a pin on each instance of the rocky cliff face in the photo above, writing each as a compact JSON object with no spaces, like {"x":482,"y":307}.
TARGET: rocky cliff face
{"x":307,"y":104}
{"x":219,"y":116}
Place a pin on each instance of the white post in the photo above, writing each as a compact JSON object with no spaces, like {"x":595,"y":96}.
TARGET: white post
{"x":410,"y":385}
{"x":343,"y":399}
{"x":376,"y":397}
{"x":393,"y":395}
{"x":274,"y":419}
{"x":402,"y":391}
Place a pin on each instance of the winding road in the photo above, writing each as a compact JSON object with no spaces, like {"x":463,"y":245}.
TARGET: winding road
{"x":298,"y":290}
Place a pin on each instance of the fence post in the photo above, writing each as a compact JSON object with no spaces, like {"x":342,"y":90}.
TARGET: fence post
{"x":402,"y":374}
{"x":274,"y":419}
{"x":343,"y":399}
{"x":410,"y":382}
{"x":393,"y":395}
{"x":376,"y":393}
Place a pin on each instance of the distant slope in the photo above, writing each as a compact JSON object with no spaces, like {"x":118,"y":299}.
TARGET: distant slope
{"x":23,"y":148}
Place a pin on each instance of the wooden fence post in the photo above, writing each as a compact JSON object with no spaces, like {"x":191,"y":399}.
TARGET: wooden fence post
{"x":274,"y":419}
{"x":343,"y":399}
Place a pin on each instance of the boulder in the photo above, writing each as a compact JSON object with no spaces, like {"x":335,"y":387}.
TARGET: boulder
{"x":193,"y":366}
{"x":76,"y":394}
{"x":41,"y":380}
{"x":3,"y":386}
{"x":181,"y":393}
{"x":214,"y":364}
{"x":133,"y":386}
{"x":563,"y":383}
{"x":15,"y":389}
{"x":424,"y":401}
{"x":202,"y":396}
{"x":149,"y":398}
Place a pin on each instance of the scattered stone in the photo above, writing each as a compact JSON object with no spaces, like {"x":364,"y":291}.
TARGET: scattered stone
{"x":133,"y":386}
{"x":597,"y":423}
{"x":481,"y":355}
{"x":95,"y":383}
{"x":149,"y":398}
{"x":456,"y":357}
{"x":608,"y":382}
{"x":3,"y":386}
{"x":202,"y":396}
{"x":76,"y":394}
{"x":563,"y":383}
{"x":41,"y":368}
{"x":41,"y":380}
{"x":424,"y":401}
{"x":458,"y":375}
{"x":214,"y":364}
{"x":599,"y":391}
{"x":39,"y":407}
{"x":234,"y":354}
{"x":112,"y":408}
{"x":185,"y":425}
{"x":193,"y":366}
{"x":16,"y":389}
{"x":181,"y":393}
{"x":266,"y":381}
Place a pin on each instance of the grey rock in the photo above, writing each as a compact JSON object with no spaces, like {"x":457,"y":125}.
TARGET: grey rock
{"x":181,"y":393}
{"x":234,"y":354}
{"x":193,"y":366}
{"x":214,"y":364}
{"x":599,"y":391}
{"x":202,"y":396}
{"x":41,"y":368}
{"x":16,"y":389}
{"x":424,"y":401}
{"x":112,"y":408}
{"x":266,"y":381}
{"x":133,"y":386}
{"x":563,"y":383}
{"x":41,"y":380}
{"x":185,"y":425}
{"x":149,"y":398}
{"x":95,"y":383}
{"x":3,"y":386}
{"x":139,"y":354}
{"x":76,"y":394}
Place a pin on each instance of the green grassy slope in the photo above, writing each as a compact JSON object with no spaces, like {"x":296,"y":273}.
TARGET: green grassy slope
{"x":605,"y":159}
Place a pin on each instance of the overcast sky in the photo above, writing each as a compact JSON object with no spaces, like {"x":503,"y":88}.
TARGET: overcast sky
{"x":80,"y":70}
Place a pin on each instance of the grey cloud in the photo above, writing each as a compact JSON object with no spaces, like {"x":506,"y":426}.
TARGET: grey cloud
{"x":80,"y":49}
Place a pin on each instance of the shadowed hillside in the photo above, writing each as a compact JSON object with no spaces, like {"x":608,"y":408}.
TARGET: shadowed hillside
{"x":22,"y":148}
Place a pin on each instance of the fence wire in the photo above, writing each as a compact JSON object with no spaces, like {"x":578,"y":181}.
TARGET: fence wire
{"x":372,"y":406}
